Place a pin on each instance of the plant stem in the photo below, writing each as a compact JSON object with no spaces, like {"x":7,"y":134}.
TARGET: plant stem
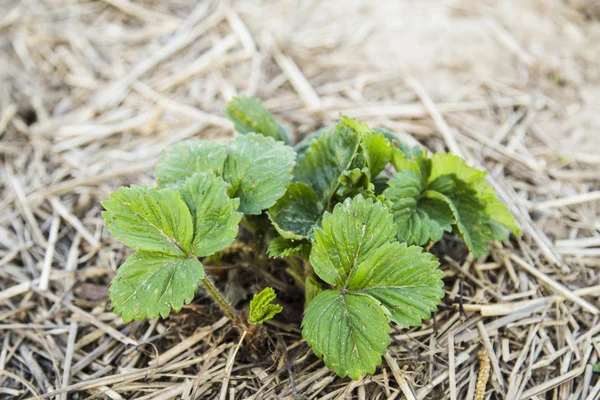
{"x":223,"y":304}
{"x":293,"y":272}
{"x":429,"y":245}
{"x":249,"y":225}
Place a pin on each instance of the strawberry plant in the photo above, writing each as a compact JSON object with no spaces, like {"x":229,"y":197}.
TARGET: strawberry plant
{"x":348,"y":226}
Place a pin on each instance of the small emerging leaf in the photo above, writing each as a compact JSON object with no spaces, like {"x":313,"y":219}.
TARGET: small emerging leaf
{"x":214,"y":213}
{"x":353,"y":182}
{"x":378,"y":151}
{"x":181,"y":160}
{"x":261,"y":307}
{"x":259,"y":171}
{"x":249,"y":115}
{"x":151,"y":284}
{"x":149,"y":219}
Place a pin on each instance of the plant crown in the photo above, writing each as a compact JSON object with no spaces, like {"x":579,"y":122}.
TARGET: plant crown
{"x":331,"y":202}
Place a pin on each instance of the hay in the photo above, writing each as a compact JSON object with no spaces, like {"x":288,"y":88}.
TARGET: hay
{"x":91,"y":92}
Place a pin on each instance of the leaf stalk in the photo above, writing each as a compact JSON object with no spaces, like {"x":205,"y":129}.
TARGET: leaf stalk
{"x":220,"y":300}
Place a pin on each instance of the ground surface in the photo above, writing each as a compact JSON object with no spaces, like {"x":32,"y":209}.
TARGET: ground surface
{"x":90,"y":92}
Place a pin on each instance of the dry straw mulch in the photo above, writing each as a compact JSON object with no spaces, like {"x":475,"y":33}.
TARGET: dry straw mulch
{"x":92,"y":91}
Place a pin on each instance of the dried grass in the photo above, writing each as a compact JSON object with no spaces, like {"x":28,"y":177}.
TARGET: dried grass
{"x":91,"y":92}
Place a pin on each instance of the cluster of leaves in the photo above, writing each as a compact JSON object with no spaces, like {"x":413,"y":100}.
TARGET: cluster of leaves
{"x":203,"y":189}
{"x":332,"y":201}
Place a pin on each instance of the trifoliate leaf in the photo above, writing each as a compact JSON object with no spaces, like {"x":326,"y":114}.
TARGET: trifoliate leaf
{"x":418,"y":214}
{"x":404,"y":279}
{"x":261,"y":307}
{"x":312,"y":288}
{"x":349,"y":330}
{"x":249,"y":115}
{"x":372,"y":262}
{"x":182,"y":160}
{"x":328,"y":157}
{"x":259,"y":171}
{"x":213,"y":212}
{"x":377,"y":150}
{"x":151,"y":284}
{"x":295,"y":214}
{"x":149,"y":219}
{"x":281,"y":247}
{"x":348,"y":235}
{"x":376,"y":280}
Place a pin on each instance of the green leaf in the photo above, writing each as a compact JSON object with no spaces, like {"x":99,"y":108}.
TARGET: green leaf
{"x":474,"y":201}
{"x":304,"y":145}
{"x":213,"y":212}
{"x":312,"y":288}
{"x":376,"y":279}
{"x":410,"y":152}
{"x":261,"y":308}
{"x":498,"y":211}
{"x":450,"y":164}
{"x":149,"y":219}
{"x":183,"y":159}
{"x":404,"y":279}
{"x":430,"y":194}
{"x":151,"y":284}
{"x":499,"y":232}
{"x":473,"y":224}
{"x":350,"y":331}
{"x":353,"y":182}
{"x":348,"y":235}
{"x":327,"y":159}
{"x":249,"y":115}
{"x":419,"y":215}
{"x":378,"y":151}
{"x":259,"y":171}
{"x":281,"y":247}
{"x":295,"y":214}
